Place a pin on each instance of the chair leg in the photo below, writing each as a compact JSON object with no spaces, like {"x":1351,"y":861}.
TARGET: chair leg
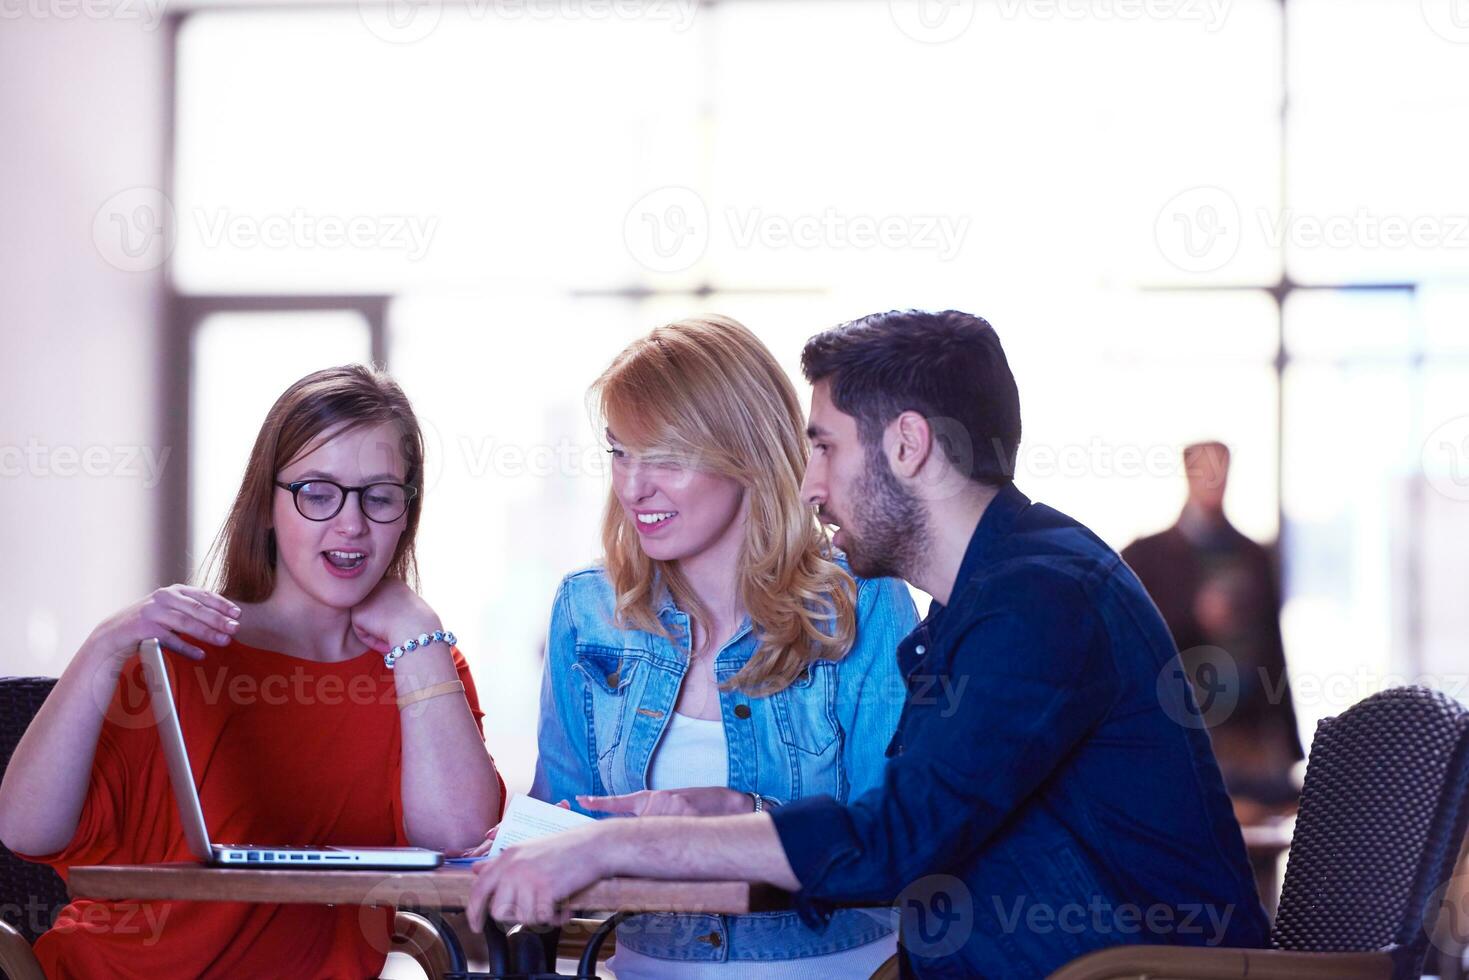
{"x":17,"y":959}
{"x":419,"y":938}
{"x":576,"y":935}
{"x":587,"y":966}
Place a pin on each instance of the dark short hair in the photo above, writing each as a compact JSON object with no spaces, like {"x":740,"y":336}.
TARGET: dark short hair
{"x":1194,"y":448}
{"x":947,"y":366}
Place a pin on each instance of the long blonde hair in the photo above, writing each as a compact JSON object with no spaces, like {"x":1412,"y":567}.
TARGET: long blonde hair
{"x":706,"y":392}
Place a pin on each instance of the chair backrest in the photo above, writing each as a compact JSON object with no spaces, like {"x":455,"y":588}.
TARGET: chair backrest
{"x":30,"y":894}
{"x":1382,"y":815}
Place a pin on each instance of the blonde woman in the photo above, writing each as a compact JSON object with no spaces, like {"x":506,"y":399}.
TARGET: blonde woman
{"x":720,"y":659}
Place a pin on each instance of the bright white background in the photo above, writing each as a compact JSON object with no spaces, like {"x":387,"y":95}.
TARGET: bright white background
{"x":535,"y":183}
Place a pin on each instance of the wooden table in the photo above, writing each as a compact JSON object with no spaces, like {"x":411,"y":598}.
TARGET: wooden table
{"x":446,"y":888}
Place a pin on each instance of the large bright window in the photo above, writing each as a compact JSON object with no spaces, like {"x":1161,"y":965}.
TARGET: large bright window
{"x":531,"y":190}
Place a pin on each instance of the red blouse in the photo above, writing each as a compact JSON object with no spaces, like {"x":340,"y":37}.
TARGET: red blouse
{"x":285,"y":751}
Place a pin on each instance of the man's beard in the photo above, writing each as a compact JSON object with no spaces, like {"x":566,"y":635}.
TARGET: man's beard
{"x":894,"y":524}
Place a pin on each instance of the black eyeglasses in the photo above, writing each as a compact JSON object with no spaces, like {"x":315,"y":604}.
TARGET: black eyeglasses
{"x":321,"y":500}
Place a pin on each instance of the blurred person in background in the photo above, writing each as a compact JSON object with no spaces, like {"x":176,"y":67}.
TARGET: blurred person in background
{"x":1218,"y":593}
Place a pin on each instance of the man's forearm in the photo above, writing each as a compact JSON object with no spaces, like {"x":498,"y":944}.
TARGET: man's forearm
{"x":738,"y":848}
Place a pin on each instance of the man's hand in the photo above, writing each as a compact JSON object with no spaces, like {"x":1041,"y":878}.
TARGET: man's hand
{"x":698,"y":801}
{"x":527,"y":883}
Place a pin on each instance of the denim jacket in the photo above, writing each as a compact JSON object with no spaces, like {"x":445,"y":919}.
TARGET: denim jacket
{"x":606,"y":698}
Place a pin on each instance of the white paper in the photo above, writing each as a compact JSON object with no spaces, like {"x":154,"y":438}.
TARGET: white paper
{"x":527,"y":818}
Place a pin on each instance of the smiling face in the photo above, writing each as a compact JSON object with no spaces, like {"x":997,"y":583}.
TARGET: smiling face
{"x":678,"y":511}
{"x":338,"y":561}
{"x":881,"y":525}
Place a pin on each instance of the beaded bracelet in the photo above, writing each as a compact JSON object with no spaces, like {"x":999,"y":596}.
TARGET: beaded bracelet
{"x":421,"y":640}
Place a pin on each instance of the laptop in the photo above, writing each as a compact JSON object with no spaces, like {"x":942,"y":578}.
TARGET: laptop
{"x":170,"y":732}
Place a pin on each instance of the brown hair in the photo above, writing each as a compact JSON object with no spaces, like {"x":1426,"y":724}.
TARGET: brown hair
{"x":241,"y":562}
{"x":707,"y":393}
{"x":947,"y":366}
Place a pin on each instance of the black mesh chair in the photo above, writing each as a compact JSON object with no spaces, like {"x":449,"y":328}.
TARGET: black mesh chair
{"x":30,"y":894}
{"x":1381,"y":822}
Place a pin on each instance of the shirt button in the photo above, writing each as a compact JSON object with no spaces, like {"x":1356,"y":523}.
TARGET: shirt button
{"x":920,"y":649}
{"x":613,"y":678}
{"x":742,"y":711}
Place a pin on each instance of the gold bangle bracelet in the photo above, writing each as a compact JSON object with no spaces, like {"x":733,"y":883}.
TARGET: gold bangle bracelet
{"x":437,"y":690}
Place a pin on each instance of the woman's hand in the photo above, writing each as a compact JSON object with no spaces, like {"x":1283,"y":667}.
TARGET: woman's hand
{"x":483,"y":849}
{"x":699,"y":801}
{"x":46,"y":781}
{"x":167,"y":613}
{"x":390,"y":614}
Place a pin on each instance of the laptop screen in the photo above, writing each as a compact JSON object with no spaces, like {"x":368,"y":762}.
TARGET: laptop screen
{"x":171,"y":734}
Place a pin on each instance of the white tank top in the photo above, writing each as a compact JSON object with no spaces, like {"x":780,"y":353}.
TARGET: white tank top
{"x":694,"y":752}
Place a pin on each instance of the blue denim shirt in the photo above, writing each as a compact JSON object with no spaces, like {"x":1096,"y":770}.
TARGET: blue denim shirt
{"x":607,"y":695}
{"x":1049,"y":790}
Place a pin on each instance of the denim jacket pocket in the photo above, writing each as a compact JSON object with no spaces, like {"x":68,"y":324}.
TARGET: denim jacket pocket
{"x":608,"y":671}
{"x":805,"y":712}
{"x":1059,"y":901}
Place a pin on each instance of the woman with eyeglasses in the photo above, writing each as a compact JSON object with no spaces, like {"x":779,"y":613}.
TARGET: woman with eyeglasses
{"x":308,"y":716}
{"x":721,"y":658}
